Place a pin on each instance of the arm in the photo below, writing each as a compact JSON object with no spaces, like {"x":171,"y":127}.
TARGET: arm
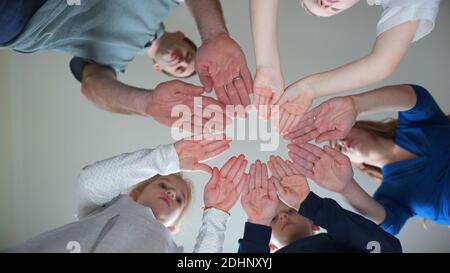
{"x":220,"y":194}
{"x":347,"y":227}
{"x":102,"y":181}
{"x":387,"y":53}
{"x":209,"y":18}
{"x":269,"y":82}
{"x":100,"y":86}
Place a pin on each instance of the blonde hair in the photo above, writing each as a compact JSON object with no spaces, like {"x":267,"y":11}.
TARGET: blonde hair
{"x":141,"y":187}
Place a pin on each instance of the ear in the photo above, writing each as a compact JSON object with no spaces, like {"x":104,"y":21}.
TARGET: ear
{"x":180,"y":34}
{"x":272,"y":247}
{"x":157,"y":67}
{"x":135,"y":195}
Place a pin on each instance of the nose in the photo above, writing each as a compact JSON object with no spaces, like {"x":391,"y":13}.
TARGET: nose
{"x":282,"y":217}
{"x":323,"y":4}
{"x":171,"y":194}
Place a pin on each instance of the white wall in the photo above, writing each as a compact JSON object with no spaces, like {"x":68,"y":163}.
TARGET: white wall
{"x":51,"y":131}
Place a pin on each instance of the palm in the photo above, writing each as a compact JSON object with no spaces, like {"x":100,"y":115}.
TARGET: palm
{"x":297,"y":103}
{"x":268,"y":84}
{"x":221,"y":192}
{"x":294,"y":188}
{"x":258,"y":204}
{"x":331,"y":174}
{"x":336,"y":115}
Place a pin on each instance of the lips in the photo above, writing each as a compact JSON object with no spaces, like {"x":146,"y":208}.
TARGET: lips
{"x":166,"y":200}
{"x":285,"y":225}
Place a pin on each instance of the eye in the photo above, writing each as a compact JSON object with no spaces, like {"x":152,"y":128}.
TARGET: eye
{"x":274,"y":220}
{"x":179,"y":201}
{"x":335,"y":9}
{"x":163,"y":185}
{"x":292,"y":211}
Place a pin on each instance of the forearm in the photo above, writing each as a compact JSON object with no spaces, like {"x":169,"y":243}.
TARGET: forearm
{"x":358,"y":198}
{"x":209,"y":18}
{"x":389,"y":98}
{"x":388,"y":51}
{"x":114,"y":96}
{"x":264,"y":31}
{"x":212,"y":232}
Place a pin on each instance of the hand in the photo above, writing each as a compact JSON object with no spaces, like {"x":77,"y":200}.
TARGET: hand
{"x":192,"y":152}
{"x":170,"y":94}
{"x":259,"y":199}
{"x":328,"y":167}
{"x":294,"y":102}
{"x":292,"y":187}
{"x":225,"y":186}
{"x":220,"y":63}
{"x":331,"y":120}
{"x":268,"y":88}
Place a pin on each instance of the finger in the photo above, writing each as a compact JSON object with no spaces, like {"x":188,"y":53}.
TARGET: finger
{"x":215,"y":153}
{"x":278,"y":168}
{"x":299,"y":132}
{"x":252,"y":172}
{"x":306,"y":137}
{"x":233,"y":94}
{"x":215,"y":178}
{"x":289,"y":122}
{"x":211,"y":102}
{"x":214,"y":145}
{"x":222,"y":95}
{"x":273,"y":171}
{"x":271,"y":190}
{"x":279,"y":188}
{"x":337,"y":155}
{"x":294,"y":123}
{"x":300,"y":160}
{"x":202,"y":167}
{"x":284,"y":166}
{"x":330,"y":135}
{"x":227,"y":166}
{"x":247,"y":187}
{"x":242,"y":91}
{"x":206,"y":81}
{"x":243,"y":183}
{"x":291,"y":167}
{"x":240,"y":172}
{"x":235,"y":168}
{"x":264,"y":176}
{"x":258,"y":174}
{"x":247,"y":77}
{"x":313,"y":149}
{"x":257,"y":101}
{"x":284,"y":115}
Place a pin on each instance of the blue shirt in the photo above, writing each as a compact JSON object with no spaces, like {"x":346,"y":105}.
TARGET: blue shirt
{"x":418,"y":186}
{"x":346,"y":232}
{"x":107,"y":32}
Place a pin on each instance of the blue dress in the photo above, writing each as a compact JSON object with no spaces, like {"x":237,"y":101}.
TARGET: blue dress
{"x":418,"y":186}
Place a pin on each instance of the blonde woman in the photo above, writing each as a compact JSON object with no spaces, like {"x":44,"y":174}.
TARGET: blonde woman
{"x":144,"y":219}
{"x":409,"y":155}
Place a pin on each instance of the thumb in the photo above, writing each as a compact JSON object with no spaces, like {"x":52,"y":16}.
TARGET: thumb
{"x":215,"y":177}
{"x":272,"y":191}
{"x":203,"y":167}
{"x":193,"y":90}
{"x":329,"y":135}
{"x":207,"y":82}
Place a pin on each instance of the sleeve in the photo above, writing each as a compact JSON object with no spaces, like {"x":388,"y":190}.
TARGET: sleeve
{"x":346,"y":227}
{"x":397,"y":12}
{"x":77,"y":65}
{"x":396,"y":216}
{"x":425,"y":110}
{"x":102,"y":181}
{"x":211,"y":235}
{"x":256,"y":239}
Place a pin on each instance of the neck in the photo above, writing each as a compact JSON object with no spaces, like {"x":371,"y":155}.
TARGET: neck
{"x":389,"y":153}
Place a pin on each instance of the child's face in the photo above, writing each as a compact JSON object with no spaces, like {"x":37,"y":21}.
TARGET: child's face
{"x":289,"y":226}
{"x":166,"y":197}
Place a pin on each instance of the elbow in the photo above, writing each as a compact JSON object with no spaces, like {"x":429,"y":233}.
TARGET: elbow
{"x":86,"y":89}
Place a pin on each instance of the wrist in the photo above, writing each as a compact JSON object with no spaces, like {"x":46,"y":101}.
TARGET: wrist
{"x":357,"y":105}
{"x":305,"y":88}
{"x":214,"y":34}
{"x":349,"y":188}
{"x":146,"y":107}
{"x":218,"y":207}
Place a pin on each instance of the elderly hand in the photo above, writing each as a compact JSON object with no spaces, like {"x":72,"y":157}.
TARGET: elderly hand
{"x":220,"y":64}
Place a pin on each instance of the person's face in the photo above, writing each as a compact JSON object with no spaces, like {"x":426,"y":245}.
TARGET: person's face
{"x":289,"y":226}
{"x":359,"y":145}
{"x":325,"y":8}
{"x":166,"y":197}
{"x":175,"y":56}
